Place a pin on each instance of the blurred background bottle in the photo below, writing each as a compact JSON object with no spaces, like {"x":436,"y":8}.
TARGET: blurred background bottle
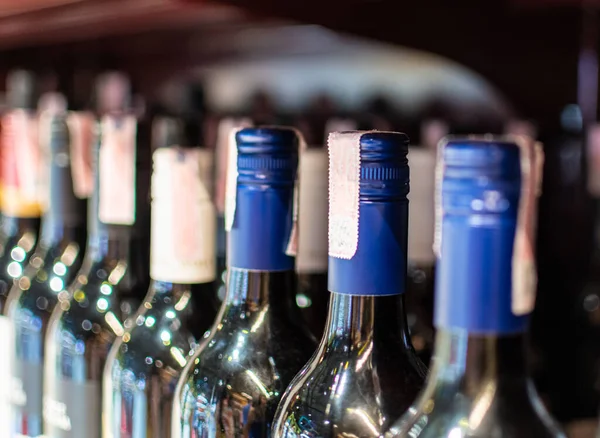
{"x":53,"y":265}
{"x":113,"y":279}
{"x":485,"y":291}
{"x":421,"y":259}
{"x":144,"y":365}
{"x":22,"y":168}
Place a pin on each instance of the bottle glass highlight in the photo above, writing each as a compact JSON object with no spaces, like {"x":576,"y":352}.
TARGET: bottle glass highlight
{"x":235,"y":379}
{"x":52,"y":266}
{"x":479,"y":385}
{"x":144,"y":365}
{"x":365,"y":372}
{"x":91,"y":313}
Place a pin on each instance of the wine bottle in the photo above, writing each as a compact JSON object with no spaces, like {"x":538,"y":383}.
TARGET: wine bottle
{"x":88,"y":318}
{"x":144,"y":365}
{"x":20,"y":212}
{"x":421,"y":260}
{"x":52,"y":266}
{"x":365,"y":371}
{"x":234,"y":380}
{"x":485,"y":292}
{"x":22,"y":166}
{"x":311,"y":260}
{"x":224,"y":144}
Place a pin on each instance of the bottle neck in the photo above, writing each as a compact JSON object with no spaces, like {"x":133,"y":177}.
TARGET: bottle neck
{"x":473,"y":362}
{"x":112,"y":243}
{"x":262,"y":226}
{"x":357,"y":320}
{"x":65,"y":219}
{"x":378,"y":266}
{"x":256,"y":293}
{"x":194,"y":303}
{"x":16,"y":227}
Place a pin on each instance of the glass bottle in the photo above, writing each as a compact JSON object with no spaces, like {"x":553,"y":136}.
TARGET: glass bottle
{"x":90,"y":314}
{"x":236,"y":377}
{"x":144,"y":365}
{"x":365,"y":372}
{"x":21,"y":168}
{"x":485,"y":292}
{"x":53,"y":265}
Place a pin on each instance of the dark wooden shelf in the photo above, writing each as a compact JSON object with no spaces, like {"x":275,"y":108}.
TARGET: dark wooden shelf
{"x":63,"y":21}
{"x":528,"y":49}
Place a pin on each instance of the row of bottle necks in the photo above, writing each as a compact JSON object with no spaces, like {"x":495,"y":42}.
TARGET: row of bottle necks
{"x":77,"y":370}
{"x":84,"y":357}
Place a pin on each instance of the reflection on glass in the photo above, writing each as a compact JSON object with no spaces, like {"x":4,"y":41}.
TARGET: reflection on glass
{"x":477,"y":387}
{"x":80,"y":333}
{"x":364,"y":374}
{"x":34,"y":296}
{"x":144,"y":365}
{"x":233,"y":383}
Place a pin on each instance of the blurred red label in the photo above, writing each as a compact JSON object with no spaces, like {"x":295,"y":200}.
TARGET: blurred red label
{"x":81,"y":131}
{"x":22,"y":165}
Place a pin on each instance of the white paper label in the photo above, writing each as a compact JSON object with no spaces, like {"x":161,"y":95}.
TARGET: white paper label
{"x":421,"y":210}
{"x":524,"y":274}
{"x":183,"y":226}
{"x":344,"y":178}
{"x":81,"y":133}
{"x":225,"y":144}
{"x":292,"y":246}
{"x":312,"y":253}
{"x":231,"y":181}
{"x":117,"y":170}
{"x":593,"y":159}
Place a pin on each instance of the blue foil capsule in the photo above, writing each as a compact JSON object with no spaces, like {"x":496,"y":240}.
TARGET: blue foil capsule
{"x":382,"y":219}
{"x":480,"y":194}
{"x":267,"y":164}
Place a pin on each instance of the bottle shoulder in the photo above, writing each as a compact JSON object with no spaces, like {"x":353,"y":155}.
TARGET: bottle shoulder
{"x":496,"y":411}
{"x":49,"y":271}
{"x":250,"y":360}
{"x":339,"y":386}
{"x":154,"y":340}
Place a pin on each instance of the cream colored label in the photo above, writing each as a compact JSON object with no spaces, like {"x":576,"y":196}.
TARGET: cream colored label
{"x":117,"y":170}
{"x":23,"y":166}
{"x":224,"y":171}
{"x":421,"y":221}
{"x":344,"y":177}
{"x":524,"y":273}
{"x":231,"y":181}
{"x":81,"y":133}
{"x":293,"y":241}
{"x":183,"y":226}
{"x":313,"y":203}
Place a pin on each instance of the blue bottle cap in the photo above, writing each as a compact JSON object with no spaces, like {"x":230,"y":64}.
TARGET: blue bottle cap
{"x":368,"y":215}
{"x":478,"y":209}
{"x":267,"y":154}
{"x":267,"y":163}
{"x":384,"y":172}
